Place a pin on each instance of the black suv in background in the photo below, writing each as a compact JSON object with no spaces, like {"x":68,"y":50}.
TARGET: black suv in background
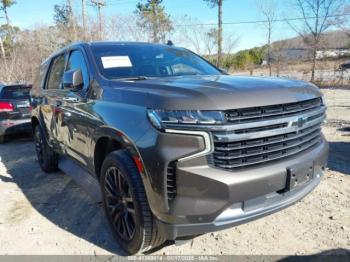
{"x":173,"y":146}
{"x":14,"y":110}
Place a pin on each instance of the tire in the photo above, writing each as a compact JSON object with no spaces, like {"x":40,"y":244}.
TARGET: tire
{"x":47,"y":158}
{"x":127,"y":208}
{"x":2,"y":139}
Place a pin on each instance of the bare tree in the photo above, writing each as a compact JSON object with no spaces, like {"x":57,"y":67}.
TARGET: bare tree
{"x":2,"y":49}
{"x":317,"y":18}
{"x":191,"y":36}
{"x":279,"y":55}
{"x":218,"y":3}
{"x":343,"y":20}
{"x":230,"y":42}
{"x":268,"y":11}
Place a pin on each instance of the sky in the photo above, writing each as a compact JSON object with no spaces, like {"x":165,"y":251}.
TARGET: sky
{"x":28,"y":13}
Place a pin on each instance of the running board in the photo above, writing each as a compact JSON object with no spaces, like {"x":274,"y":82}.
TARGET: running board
{"x":81,"y":177}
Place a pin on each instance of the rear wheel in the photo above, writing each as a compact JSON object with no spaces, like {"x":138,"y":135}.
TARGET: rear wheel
{"x":47,"y":158}
{"x":2,"y":139}
{"x":125,"y":204}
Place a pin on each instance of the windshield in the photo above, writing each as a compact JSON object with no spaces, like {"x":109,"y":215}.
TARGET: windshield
{"x":124,"y":61}
{"x":15,"y":92}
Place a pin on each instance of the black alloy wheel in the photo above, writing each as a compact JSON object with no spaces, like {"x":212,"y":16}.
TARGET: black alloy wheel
{"x":47,"y":158}
{"x":126,"y":206}
{"x":39,"y":145}
{"x":120,"y":203}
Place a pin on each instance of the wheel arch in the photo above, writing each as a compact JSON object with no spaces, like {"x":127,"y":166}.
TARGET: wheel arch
{"x":107,"y":140}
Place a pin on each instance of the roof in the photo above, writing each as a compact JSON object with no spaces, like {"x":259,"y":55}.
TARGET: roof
{"x":100,"y":43}
{"x":97,"y":43}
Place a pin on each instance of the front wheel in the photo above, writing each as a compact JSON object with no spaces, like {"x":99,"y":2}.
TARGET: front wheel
{"x":47,"y":158}
{"x":125,"y":204}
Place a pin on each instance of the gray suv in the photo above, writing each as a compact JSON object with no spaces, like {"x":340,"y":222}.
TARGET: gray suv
{"x":173,"y":146}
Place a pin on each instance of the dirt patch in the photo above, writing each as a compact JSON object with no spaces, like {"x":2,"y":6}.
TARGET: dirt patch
{"x":18,"y":212}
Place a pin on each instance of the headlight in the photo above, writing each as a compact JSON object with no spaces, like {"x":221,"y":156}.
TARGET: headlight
{"x":323,"y":100}
{"x":161,"y":118}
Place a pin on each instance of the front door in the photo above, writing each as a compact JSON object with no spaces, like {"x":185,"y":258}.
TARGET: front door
{"x":74,"y":122}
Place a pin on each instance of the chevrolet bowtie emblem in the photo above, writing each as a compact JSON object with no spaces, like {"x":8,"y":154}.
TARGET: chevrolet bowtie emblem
{"x":299,"y":122}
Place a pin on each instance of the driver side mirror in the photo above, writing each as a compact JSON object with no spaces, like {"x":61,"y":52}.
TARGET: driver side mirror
{"x":73,"y":79}
{"x":223,"y":70}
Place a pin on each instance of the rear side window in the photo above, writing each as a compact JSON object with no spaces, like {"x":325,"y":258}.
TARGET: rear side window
{"x":56,"y":73}
{"x":15,"y":92}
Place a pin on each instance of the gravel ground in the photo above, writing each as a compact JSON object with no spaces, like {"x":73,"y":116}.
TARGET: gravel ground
{"x":49,"y":214}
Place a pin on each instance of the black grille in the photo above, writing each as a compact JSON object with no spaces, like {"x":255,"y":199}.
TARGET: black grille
{"x":271,"y":112}
{"x":171,"y":181}
{"x":238,"y":154}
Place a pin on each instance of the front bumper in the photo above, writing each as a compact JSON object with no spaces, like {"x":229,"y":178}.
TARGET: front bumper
{"x":240,"y":213}
{"x":8,"y":127}
{"x":210,"y":199}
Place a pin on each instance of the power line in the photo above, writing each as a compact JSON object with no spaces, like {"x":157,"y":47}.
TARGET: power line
{"x":263,"y":21}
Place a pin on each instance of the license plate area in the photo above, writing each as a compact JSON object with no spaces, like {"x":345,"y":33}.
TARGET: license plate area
{"x":299,"y":174}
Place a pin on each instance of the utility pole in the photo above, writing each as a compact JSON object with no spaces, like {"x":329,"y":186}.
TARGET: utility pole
{"x":72,"y":18}
{"x":84,"y":17}
{"x":99,"y":4}
{"x":69,"y":3}
{"x":219,"y":33}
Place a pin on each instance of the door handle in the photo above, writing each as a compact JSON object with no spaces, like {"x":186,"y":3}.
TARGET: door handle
{"x":70,"y":99}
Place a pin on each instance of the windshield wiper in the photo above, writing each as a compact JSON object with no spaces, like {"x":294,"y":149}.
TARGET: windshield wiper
{"x":133,"y":78}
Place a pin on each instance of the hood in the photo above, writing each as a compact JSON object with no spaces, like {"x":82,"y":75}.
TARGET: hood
{"x":210,"y":92}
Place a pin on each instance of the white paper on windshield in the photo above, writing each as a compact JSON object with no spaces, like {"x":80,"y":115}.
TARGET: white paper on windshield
{"x":116,"y":61}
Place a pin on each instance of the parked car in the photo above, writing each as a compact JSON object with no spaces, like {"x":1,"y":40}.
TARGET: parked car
{"x":344,"y":66}
{"x":15,"y":114}
{"x":176,"y":147}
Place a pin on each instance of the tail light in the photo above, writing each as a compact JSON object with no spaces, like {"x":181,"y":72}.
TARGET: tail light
{"x":6,"y":107}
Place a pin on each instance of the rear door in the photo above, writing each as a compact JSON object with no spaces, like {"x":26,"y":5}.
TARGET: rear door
{"x":14,"y":102}
{"x":52,"y":98}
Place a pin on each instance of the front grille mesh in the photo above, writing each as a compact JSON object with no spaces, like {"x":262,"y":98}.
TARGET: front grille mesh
{"x":255,"y":141}
{"x":271,"y":112}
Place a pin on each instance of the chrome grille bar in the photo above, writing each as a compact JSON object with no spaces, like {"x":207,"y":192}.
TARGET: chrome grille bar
{"x":229,"y":137}
{"x":284,"y":139}
{"x":285,"y":130}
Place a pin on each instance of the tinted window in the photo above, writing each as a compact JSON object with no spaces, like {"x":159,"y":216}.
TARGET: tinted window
{"x":15,"y":92}
{"x":77,"y":61}
{"x":56,"y":73}
{"x":118,"y":61}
